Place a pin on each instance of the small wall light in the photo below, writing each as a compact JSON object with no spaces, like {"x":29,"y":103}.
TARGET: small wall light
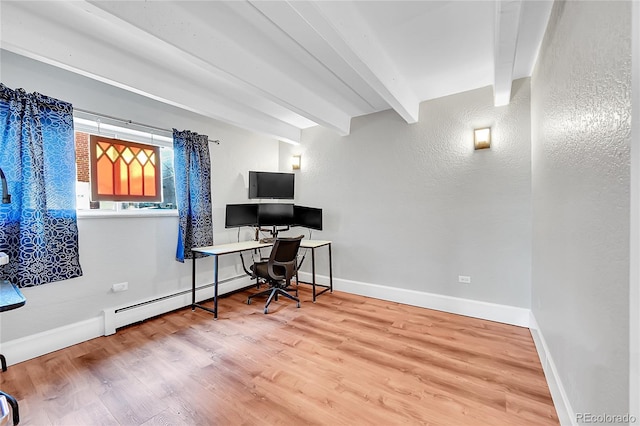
{"x":482,"y":138}
{"x":295,"y":162}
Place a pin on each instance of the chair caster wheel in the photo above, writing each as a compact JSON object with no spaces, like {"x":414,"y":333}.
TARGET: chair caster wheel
{"x":248,"y":301}
{"x":298,"y":304}
{"x":266,"y":311}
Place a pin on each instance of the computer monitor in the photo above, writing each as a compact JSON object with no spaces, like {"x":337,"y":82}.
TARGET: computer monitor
{"x":308,"y":217}
{"x":275,"y":214}
{"x":241,"y":215}
{"x":271,"y":185}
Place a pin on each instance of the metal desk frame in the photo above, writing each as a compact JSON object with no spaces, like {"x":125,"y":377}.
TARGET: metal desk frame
{"x":313,"y":245}
{"x":222,"y":249}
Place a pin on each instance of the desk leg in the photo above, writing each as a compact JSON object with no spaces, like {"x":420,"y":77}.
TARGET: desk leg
{"x":215,"y":286}
{"x":330,"y":271}
{"x":193,"y":283}
{"x":313,"y":272}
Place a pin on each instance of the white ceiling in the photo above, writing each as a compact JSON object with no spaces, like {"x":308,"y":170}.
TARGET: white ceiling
{"x":277,"y":67}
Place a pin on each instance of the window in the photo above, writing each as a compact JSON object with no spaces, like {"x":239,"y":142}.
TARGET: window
{"x":115,"y":174}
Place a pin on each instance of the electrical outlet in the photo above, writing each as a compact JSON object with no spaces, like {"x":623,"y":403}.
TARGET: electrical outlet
{"x":464,"y":279}
{"x":120,"y":287}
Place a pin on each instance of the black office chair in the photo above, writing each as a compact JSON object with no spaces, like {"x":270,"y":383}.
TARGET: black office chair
{"x":278,"y":270}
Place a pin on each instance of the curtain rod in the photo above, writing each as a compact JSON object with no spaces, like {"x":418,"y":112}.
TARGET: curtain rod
{"x":95,"y":114}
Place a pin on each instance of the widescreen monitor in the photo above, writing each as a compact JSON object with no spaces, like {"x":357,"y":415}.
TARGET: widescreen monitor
{"x":271,"y":185}
{"x":308,"y":217}
{"x":241,"y":215}
{"x":275,"y":214}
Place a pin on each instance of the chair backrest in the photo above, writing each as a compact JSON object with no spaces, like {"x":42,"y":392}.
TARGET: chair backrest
{"x":284,"y":251}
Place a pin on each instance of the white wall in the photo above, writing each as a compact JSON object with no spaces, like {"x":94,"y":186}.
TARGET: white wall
{"x":138,"y":250}
{"x":581,"y":115}
{"x":414,"y":206}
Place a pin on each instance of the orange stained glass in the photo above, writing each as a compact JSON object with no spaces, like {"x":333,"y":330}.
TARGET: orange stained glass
{"x":122,"y":177}
{"x":143,"y":157}
{"x":149,"y":178}
{"x":136,"y":186}
{"x":112,"y":153}
{"x":127,"y":155}
{"x":124,"y":171}
{"x":105,"y":176}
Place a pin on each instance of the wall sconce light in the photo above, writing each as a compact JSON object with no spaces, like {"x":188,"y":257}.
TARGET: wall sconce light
{"x":295,"y":162}
{"x":482,"y":138}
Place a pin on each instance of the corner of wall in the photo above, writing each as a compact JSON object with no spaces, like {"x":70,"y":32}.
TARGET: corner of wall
{"x":566,"y":416}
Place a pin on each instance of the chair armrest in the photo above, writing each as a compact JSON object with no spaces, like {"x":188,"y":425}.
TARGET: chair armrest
{"x":290,"y":269}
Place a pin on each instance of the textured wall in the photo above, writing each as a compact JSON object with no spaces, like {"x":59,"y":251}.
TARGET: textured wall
{"x":580,"y":175}
{"x":414,"y":206}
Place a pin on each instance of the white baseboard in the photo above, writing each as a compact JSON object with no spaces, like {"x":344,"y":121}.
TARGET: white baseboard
{"x":29,"y":347}
{"x":455,"y":305}
{"x":118,"y":317}
{"x":33,"y":346}
{"x":560,"y":400}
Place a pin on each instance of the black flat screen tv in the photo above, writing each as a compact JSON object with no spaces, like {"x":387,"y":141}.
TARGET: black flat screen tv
{"x":308,"y":217}
{"x":275,"y":214}
{"x":271,"y":185}
{"x":241,"y":215}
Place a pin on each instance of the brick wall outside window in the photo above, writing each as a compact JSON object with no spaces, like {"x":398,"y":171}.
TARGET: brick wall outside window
{"x":82,"y":156}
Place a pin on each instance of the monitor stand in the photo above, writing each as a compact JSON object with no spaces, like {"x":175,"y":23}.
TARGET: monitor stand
{"x":274,"y":233}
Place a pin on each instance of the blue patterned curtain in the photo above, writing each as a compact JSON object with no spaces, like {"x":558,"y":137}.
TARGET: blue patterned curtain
{"x":38,"y":230}
{"x":192,"y":165}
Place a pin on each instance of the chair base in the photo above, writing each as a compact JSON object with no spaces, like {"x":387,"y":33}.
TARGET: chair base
{"x":14,"y":407}
{"x":273,"y":294}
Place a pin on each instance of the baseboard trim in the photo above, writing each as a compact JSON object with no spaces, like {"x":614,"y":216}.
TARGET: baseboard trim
{"x":115,"y":318}
{"x":472,"y":308}
{"x":38,"y":344}
{"x":28,"y":347}
{"x":566,"y":415}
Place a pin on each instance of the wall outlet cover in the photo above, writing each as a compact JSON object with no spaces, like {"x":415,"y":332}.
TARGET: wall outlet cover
{"x":120,"y":287}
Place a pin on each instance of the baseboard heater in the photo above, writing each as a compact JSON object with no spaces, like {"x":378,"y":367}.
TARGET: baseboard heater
{"x":115,"y":318}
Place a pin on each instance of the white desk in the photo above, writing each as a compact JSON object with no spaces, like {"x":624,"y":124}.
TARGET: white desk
{"x":221,"y":249}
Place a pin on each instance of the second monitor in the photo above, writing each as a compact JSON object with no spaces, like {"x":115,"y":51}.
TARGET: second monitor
{"x":275,"y":214}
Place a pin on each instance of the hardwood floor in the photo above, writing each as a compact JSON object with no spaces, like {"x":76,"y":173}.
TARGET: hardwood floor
{"x":346,"y":360}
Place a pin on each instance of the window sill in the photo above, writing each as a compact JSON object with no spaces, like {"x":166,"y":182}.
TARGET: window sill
{"x":106,"y":214}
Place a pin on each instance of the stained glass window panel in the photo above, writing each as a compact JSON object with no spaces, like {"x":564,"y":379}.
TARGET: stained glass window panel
{"x":124,"y":171}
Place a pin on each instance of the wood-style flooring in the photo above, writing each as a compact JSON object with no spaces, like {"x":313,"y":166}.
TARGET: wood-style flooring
{"x":345,"y":360}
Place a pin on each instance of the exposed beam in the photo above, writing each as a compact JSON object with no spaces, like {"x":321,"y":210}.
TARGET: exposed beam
{"x":189,"y":28}
{"x":508,"y":14}
{"x":289,"y":21}
{"x":354,"y":43}
{"x":153,"y":64}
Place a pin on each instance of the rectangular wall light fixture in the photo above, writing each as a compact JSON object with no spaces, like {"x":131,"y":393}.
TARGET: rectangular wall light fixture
{"x":482,"y":138}
{"x":295,"y":162}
